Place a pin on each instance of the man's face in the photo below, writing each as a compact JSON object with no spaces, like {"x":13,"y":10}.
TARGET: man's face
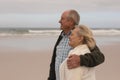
{"x":65,"y":22}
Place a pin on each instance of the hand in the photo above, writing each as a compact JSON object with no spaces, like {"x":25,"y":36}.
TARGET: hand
{"x":73,"y":61}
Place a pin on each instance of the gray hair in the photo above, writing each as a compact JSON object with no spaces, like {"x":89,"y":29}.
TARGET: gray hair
{"x":73,"y":14}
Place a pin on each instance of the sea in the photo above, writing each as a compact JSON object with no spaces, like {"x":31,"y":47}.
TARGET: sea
{"x":53,"y":31}
{"x":45,"y":38}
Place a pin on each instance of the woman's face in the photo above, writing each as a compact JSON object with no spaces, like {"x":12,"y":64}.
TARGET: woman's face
{"x":74,"y":38}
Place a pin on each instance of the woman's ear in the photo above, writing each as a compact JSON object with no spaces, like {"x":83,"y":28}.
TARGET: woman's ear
{"x":81,"y":38}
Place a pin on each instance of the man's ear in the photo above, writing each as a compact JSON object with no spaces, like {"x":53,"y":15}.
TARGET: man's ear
{"x":71,"y":22}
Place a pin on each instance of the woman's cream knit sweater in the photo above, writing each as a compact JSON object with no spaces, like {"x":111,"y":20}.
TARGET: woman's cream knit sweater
{"x":79,"y":73}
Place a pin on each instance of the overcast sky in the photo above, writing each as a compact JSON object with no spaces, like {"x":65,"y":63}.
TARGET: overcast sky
{"x":46,"y":13}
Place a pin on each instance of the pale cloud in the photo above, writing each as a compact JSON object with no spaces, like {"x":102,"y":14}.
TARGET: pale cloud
{"x":51,"y":6}
{"x":37,"y":13}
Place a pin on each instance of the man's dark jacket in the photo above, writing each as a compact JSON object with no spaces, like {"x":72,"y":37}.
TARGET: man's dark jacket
{"x":88,"y":60}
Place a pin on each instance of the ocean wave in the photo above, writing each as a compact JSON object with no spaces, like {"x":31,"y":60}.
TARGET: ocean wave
{"x":110,"y":32}
{"x":99,"y":32}
{"x":45,"y":32}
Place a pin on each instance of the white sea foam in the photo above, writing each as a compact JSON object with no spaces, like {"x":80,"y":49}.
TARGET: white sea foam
{"x":45,"y":32}
{"x":97,"y":32}
{"x":110,"y":32}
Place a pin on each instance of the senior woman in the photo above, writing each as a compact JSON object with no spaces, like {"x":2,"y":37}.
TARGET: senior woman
{"x":81,"y":40}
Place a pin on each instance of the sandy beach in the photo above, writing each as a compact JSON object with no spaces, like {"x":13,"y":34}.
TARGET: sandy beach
{"x":28,"y":58}
{"x":24,"y":65}
{"x":109,"y":70}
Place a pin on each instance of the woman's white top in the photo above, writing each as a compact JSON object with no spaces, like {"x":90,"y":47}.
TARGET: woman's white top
{"x":79,"y":73}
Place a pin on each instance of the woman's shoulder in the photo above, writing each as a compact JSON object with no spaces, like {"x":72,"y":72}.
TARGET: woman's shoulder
{"x":80,"y":49}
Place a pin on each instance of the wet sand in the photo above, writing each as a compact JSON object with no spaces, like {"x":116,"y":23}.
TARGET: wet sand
{"x":109,"y":70}
{"x":29,"y":58}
